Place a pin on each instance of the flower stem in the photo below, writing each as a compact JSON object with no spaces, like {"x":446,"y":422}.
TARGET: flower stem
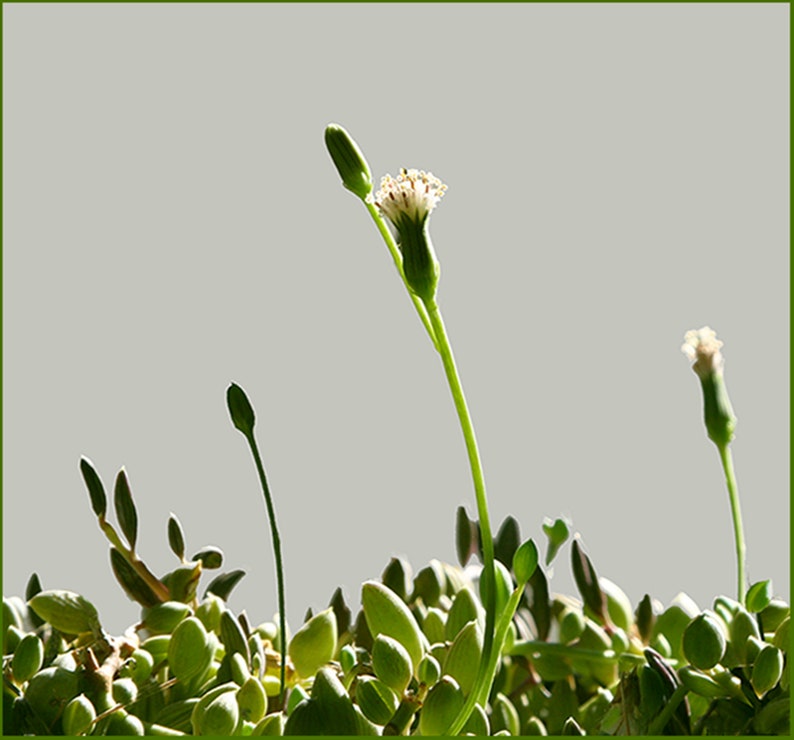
{"x":489,"y":570}
{"x":271,"y":515}
{"x":398,"y":262}
{"x":738,"y":530}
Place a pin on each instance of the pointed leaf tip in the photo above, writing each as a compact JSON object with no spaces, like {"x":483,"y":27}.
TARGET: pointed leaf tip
{"x":96,"y":490}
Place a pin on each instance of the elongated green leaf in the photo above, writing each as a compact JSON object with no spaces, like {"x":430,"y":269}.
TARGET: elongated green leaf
{"x":176,"y":537}
{"x":96,"y":490}
{"x":587,"y":582}
{"x":223,"y":583}
{"x":134,"y":586}
{"x":507,"y":540}
{"x":67,"y":611}
{"x":125,"y":508}
{"x":467,"y":541}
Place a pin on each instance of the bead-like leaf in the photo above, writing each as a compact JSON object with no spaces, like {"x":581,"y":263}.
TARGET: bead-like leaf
{"x":758,"y":596}
{"x":176,"y":537}
{"x":125,"y":508}
{"x":587,"y":582}
{"x":66,"y":611}
{"x":96,"y":490}
{"x":223,"y":584}
{"x":240,"y":409}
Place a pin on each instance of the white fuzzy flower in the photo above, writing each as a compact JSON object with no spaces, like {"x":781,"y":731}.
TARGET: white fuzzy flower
{"x":703,"y":347}
{"x":413,"y":194}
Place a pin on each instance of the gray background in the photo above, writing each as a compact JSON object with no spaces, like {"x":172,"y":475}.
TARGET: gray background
{"x":617,"y":175}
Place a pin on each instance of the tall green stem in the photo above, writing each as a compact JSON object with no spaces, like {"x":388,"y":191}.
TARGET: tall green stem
{"x":271,"y":515}
{"x":736,"y":513}
{"x":489,"y":570}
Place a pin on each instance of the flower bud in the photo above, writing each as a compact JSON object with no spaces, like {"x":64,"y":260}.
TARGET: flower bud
{"x":442,"y":705}
{"x":314,"y":644}
{"x":391,"y":663}
{"x":387,"y":614}
{"x":376,"y":700}
{"x":349,"y":161}
{"x":703,"y":642}
{"x":189,"y":651}
{"x":240,"y":409}
{"x":767,"y":670}
{"x":703,"y":347}
{"x":78,"y":716}
{"x":464,"y":656}
{"x":28,"y":658}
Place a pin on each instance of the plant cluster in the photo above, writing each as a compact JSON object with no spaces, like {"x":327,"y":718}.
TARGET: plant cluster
{"x":483,"y":647}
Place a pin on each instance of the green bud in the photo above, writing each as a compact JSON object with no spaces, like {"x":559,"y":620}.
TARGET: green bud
{"x":49,"y":691}
{"x":314,"y":644}
{"x":189,"y":651}
{"x":429,"y":671}
{"x":442,"y":705}
{"x":78,"y":716}
{"x":535,"y":727}
{"x":163,"y":618}
{"x":397,"y":577}
{"x":758,"y":596}
{"x":464,"y":609}
{"x":387,"y":614}
{"x":240,"y":409}
{"x":67,"y":611}
{"x":430,"y":583}
{"x":391,"y":663}
{"x":767,"y":670}
{"x":272,"y":725}
{"x":505,"y":716}
{"x":704,"y":642}
{"x":349,"y":161}
{"x":252,"y":700}
{"x":377,"y":701}
{"x":464,"y":656}
{"x":28,"y":658}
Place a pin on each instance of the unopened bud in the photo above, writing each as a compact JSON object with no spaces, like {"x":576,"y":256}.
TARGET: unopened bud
{"x":349,"y":161}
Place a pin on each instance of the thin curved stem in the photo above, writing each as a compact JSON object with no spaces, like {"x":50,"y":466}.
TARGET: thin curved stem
{"x":271,"y":515}
{"x":738,"y":530}
{"x":489,"y":569}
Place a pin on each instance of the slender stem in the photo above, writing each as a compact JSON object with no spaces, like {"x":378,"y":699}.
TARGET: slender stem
{"x":398,"y":262}
{"x":489,"y":569}
{"x":658,"y":724}
{"x":736,"y":513}
{"x":532,"y":647}
{"x":271,"y":515}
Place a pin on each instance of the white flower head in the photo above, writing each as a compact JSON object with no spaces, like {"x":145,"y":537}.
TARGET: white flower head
{"x":413,"y":194}
{"x":703,"y":347}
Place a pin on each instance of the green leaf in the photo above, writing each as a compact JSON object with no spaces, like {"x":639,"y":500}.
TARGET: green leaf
{"x":557,"y":532}
{"x":66,"y":611}
{"x":525,"y":561}
{"x":644,"y":618}
{"x":96,"y":490}
{"x":507,"y":540}
{"x":467,"y":541}
{"x":190,"y":651}
{"x":176,"y":537}
{"x":329,"y":711}
{"x":233,"y":637}
{"x":134,"y":586}
{"x":342,"y":612}
{"x":758,"y":596}
{"x":397,"y":576}
{"x":539,"y":603}
{"x":377,"y":701}
{"x":430,"y":583}
{"x":223,"y":584}
{"x":314,"y":644}
{"x":240,"y":410}
{"x":211,"y":557}
{"x":587,"y":582}
{"x":125,"y":508}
